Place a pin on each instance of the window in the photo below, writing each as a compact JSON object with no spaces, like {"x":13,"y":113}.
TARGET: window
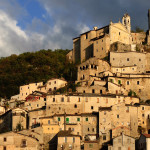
{"x":142,"y":115}
{"x":127,"y":82}
{"x":5,"y":139}
{"x":88,"y":129}
{"x":75,"y":106}
{"x":44,"y":99}
{"x":93,"y":91}
{"x":84,"y":91}
{"x":49,"y":83}
{"x":58,"y":118}
{"x":119,"y":33}
{"x":90,"y":145}
{"x":86,"y":99}
{"x":79,"y":99}
{"x":119,"y":140}
{"x":4,"y":148}
{"x":68,"y":99}
{"x":101,"y":91}
{"x":53,"y":99}
{"x":104,"y":137}
{"x":92,"y":107}
{"x":138,"y":82}
{"x":55,"y":88}
{"x":73,"y":139}
{"x":37,"y":105}
{"x":78,"y":119}
{"x":67,"y":120}
{"x":117,"y":116}
{"x":127,"y":59}
{"x":127,"y":109}
{"x":102,"y":48}
{"x":119,"y":148}
{"x":128,"y":140}
{"x":86,"y":36}
{"x":62,"y":99}
{"x":142,"y":108}
{"x":97,"y":100}
{"x":48,"y":121}
{"x":139,"y":59}
{"x":139,"y":90}
{"x":86,"y":119}
{"x":119,"y":81}
{"x":104,"y":120}
{"x":54,"y":82}
{"x":104,"y":112}
{"x":65,"y":139}
{"x":93,"y":130}
{"x":24,"y":143}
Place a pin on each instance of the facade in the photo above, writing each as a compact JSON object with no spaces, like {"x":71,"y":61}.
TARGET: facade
{"x":84,"y":103}
{"x":17,"y":141}
{"x":25,"y":90}
{"x":80,"y":124}
{"x":123,"y":142}
{"x":68,"y":141}
{"x":144,"y":142}
{"x":52,"y":85}
{"x":117,"y":119}
{"x":97,"y":42}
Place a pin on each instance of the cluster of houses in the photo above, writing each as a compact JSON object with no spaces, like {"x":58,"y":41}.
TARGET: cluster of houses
{"x":110,"y":108}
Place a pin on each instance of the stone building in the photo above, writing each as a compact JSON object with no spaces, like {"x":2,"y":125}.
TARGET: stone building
{"x":25,"y":90}
{"x":144,"y":142}
{"x":65,"y":140}
{"x":35,"y":100}
{"x":117,"y":119}
{"x":122,"y":142}
{"x":83,"y":103}
{"x":19,"y":117}
{"x":84,"y":124}
{"x":52,"y":85}
{"x":17,"y":141}
{"x":144,"y":118}
{"x":137,"y":84}
{"x":97,"y":42}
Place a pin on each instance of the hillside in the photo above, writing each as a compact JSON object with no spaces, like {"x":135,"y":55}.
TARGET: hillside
{"x":33,"y":67}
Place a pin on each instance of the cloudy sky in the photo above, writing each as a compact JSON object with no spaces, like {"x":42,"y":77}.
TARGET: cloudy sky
{"x":31,"y":25}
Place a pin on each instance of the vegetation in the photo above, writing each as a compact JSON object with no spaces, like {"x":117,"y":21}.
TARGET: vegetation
{"x":19,"y":127}
{"x":138,"y":30}
{"x":33,"y":67}
{"x":131,"y":93}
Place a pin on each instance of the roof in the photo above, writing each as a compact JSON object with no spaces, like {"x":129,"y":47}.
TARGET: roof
{"x":104,"y":108}
{"x":96,"y":38}
{"x":82,"y":114}
{"x":147,"y":135}
{"x":90,"y":141}
{"x":66,"y":133}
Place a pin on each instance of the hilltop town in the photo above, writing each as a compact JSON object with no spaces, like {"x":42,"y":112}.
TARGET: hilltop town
{"x":110,"y":108}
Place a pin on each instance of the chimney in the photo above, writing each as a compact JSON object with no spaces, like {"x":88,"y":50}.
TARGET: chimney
{"x":95,"y":28}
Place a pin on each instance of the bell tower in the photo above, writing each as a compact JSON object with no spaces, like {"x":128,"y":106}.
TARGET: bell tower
{"x":148,"y":32}
{"x":126,"y":21}
{"x":149,"y":19}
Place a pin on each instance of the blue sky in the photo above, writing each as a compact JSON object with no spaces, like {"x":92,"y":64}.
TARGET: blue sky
{"x":31,"y":25}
